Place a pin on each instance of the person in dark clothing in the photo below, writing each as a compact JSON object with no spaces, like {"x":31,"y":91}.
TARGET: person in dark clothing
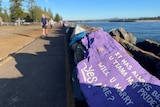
{"x":44,"y":23}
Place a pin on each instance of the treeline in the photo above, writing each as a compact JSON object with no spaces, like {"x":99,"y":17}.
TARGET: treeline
{"x":33,"y":13}
{"x":150,"y":18}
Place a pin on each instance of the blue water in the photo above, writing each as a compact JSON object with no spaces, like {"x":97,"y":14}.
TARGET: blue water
{"x":142,"y":30}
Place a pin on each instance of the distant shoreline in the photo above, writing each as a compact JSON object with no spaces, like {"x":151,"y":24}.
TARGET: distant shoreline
{"x":147,"y":20}
{"x":120,"y":20}
{"x":135,"y":20}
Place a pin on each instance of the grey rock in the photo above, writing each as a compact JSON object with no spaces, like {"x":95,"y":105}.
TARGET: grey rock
{"x":122,"y":33}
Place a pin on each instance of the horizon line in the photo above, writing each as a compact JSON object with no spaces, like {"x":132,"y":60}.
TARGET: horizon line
{"x":116,"y":18}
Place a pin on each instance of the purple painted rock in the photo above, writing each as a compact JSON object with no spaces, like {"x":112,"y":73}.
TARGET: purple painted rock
{"x":146,"y":59}
{"x":109,"y":77}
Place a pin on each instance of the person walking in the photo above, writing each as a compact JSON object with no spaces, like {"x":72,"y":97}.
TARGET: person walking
{"x":44,"y":23}
{"x":51,"y":22}
{"x":1,"y":21}
{"x":61,"y":23}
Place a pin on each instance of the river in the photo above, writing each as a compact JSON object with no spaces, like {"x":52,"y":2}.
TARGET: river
{"x":142,"y":30}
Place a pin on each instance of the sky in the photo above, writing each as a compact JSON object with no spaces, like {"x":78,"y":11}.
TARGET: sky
{"x":99,"y":9}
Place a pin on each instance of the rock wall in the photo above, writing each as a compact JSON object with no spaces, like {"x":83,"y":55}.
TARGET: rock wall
{"x":110,"y":65}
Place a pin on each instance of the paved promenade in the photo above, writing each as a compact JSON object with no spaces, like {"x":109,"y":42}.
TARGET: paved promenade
{"x":35,"y":76}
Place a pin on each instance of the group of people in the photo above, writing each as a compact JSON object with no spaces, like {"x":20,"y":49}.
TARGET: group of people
{"x":45,"y":22}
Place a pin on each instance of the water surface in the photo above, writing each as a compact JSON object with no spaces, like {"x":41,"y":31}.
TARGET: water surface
{"x":142,"y":30}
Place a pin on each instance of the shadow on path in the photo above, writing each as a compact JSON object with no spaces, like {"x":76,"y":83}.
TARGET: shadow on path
{"x":43,"y":82}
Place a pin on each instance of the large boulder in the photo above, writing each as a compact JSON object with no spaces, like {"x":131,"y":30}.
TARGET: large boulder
{"x":77,"y":30}
{"x":109,"y":77}
{"x":121,"y":32}
{"x":158,"y":69}
{"x":151,"y":46}
{"x":132,"y":38}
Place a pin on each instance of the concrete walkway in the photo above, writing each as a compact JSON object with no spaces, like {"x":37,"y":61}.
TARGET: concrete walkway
{"x":35,"y":76}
